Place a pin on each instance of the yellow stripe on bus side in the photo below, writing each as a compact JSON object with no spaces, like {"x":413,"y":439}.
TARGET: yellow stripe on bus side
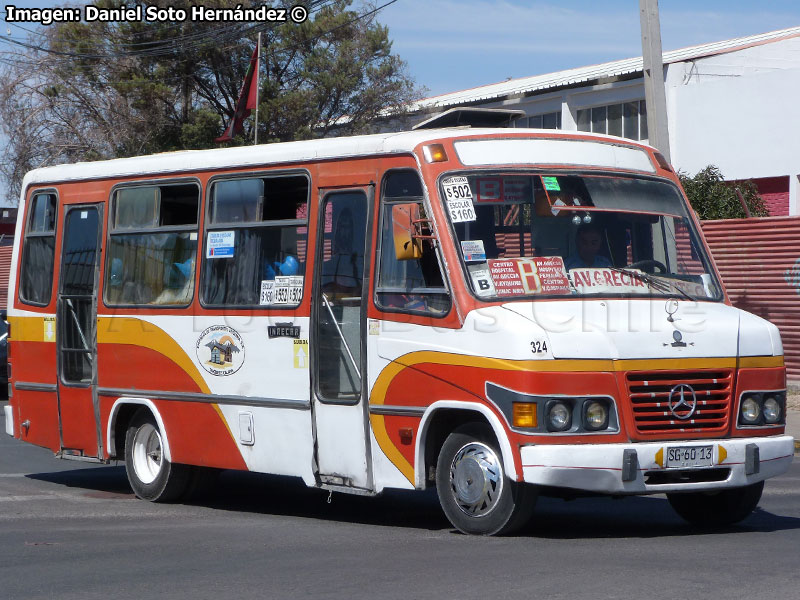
{"x":31,"y":329}
{"x":749,"y":362}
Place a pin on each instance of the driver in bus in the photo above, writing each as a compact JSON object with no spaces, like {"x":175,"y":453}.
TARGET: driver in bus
{"x":588,"y":240}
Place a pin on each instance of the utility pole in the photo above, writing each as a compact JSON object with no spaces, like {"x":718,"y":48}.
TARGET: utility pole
{"x":257,"y":81}
{"x":653,"y":69}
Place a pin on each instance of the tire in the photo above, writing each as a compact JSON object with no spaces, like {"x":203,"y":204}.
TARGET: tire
{"x":150,"y":474}
{"x":717,"y":509}
{"x":474,"y":492}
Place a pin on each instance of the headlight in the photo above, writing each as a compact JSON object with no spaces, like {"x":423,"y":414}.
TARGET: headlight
{"x":559,"y":416}
{"x":772,"y":410}
{"x":595,"y":415}
{"x":751,"y":411}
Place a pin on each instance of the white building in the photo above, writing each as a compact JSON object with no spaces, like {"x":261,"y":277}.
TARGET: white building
{"x":734,"y":104}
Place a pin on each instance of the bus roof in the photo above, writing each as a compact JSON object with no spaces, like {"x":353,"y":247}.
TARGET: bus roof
{"x":282,"y":153}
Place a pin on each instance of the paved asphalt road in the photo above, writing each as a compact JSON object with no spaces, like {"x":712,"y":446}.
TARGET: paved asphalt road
{"x":74,"y":530}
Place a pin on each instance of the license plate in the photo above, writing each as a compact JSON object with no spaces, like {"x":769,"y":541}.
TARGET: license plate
{"x":681,"y":457}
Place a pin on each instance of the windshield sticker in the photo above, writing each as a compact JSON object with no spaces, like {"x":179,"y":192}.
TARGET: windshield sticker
{"x":220,"y":244}
{"x":494,"y":190}
{"x":288,"y":289}
{"x":520,"y":276}
{"x":459,"y":199}
{"x":596,"y":281}
{"x":690,"y":287}
{"x":267,"y":296}
{"x":482,"y":282}
{"x":490,"y":189}
{"x":473,"y":251}
{"x":551,"y":184}
{"x":552,"y":274}
{"x":461,"y":210}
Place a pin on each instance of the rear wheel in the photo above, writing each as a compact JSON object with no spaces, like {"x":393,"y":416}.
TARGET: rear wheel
{"x":150,"y":474}
{"x":717,"y":509}
{"x":474,"y":491}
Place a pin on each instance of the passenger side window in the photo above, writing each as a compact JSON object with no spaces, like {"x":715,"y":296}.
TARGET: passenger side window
{"x":152,"y":245}
{"x":415,"y":285}
{"x":255,"y":247}
{"x":38,"y":252}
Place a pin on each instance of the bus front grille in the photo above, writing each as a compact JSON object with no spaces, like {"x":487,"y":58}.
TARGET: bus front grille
{"x":708,"y":391}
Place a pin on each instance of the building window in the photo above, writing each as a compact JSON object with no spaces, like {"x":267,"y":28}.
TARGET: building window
{"x":628,"y":120}
{"x":255,"y":247}
{"x":152,"y":245}
{"x":546,"y":121}
{"x":38,"y":252}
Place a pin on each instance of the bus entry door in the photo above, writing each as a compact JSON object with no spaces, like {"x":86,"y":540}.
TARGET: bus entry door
{"x":338,"y":359}
{"x":76,"y":326}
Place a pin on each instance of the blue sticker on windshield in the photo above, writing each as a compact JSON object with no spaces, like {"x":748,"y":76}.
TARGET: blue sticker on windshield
{"x":473,"y":250}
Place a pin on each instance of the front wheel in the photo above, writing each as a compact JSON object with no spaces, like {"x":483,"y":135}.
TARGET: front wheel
{"x":150,"y":474}
{"x":475,"y":494}
{"x":717,"y":509}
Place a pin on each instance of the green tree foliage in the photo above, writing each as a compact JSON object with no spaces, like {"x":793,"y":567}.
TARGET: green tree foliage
{"x":713,"y":198}
{"x":88,"y":91}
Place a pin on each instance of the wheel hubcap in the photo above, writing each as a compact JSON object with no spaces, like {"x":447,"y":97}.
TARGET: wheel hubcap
{"x":476,"y":479}
{"x":147,"y":458}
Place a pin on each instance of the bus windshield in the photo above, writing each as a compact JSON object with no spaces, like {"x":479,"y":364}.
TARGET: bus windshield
{"x":524,"y":235}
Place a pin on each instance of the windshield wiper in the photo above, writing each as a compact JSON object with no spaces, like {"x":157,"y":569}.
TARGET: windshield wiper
{"x":662,"y":285}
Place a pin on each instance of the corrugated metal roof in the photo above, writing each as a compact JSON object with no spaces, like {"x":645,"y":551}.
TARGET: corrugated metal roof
{"x":759,"y":260}
{"x":570,"y":77}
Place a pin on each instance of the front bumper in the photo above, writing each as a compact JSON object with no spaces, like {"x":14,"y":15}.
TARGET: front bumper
{"x":608,"y":468}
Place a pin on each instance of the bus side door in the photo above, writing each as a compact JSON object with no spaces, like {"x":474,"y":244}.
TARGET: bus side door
{"x":341,"y":282}
{"x":76,"y":324}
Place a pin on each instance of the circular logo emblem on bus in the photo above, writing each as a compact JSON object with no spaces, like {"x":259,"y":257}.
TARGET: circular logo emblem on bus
{"x":682,"y":401}
{"x":220,"y":350}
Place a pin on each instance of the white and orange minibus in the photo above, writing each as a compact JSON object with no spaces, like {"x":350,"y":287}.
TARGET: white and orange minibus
{"x":501,"y":313}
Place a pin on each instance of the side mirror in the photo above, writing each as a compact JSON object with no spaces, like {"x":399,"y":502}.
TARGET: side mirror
{"x":405,"y":217}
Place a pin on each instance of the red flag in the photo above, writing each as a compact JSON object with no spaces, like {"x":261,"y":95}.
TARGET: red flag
{"x":246,"y":101}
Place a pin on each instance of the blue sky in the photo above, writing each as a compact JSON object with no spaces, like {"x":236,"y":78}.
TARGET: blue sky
{"x":453,"y":45}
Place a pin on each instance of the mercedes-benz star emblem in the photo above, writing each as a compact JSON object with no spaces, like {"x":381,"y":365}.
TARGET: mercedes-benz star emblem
{"x":682,"y":401}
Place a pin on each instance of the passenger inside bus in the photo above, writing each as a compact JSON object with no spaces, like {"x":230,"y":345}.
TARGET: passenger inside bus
{"x":179,"y":283}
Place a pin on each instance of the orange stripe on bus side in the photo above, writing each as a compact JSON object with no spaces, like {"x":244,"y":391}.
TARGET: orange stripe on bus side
{"x":128,"y":330}
{"x":388,"y":374}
